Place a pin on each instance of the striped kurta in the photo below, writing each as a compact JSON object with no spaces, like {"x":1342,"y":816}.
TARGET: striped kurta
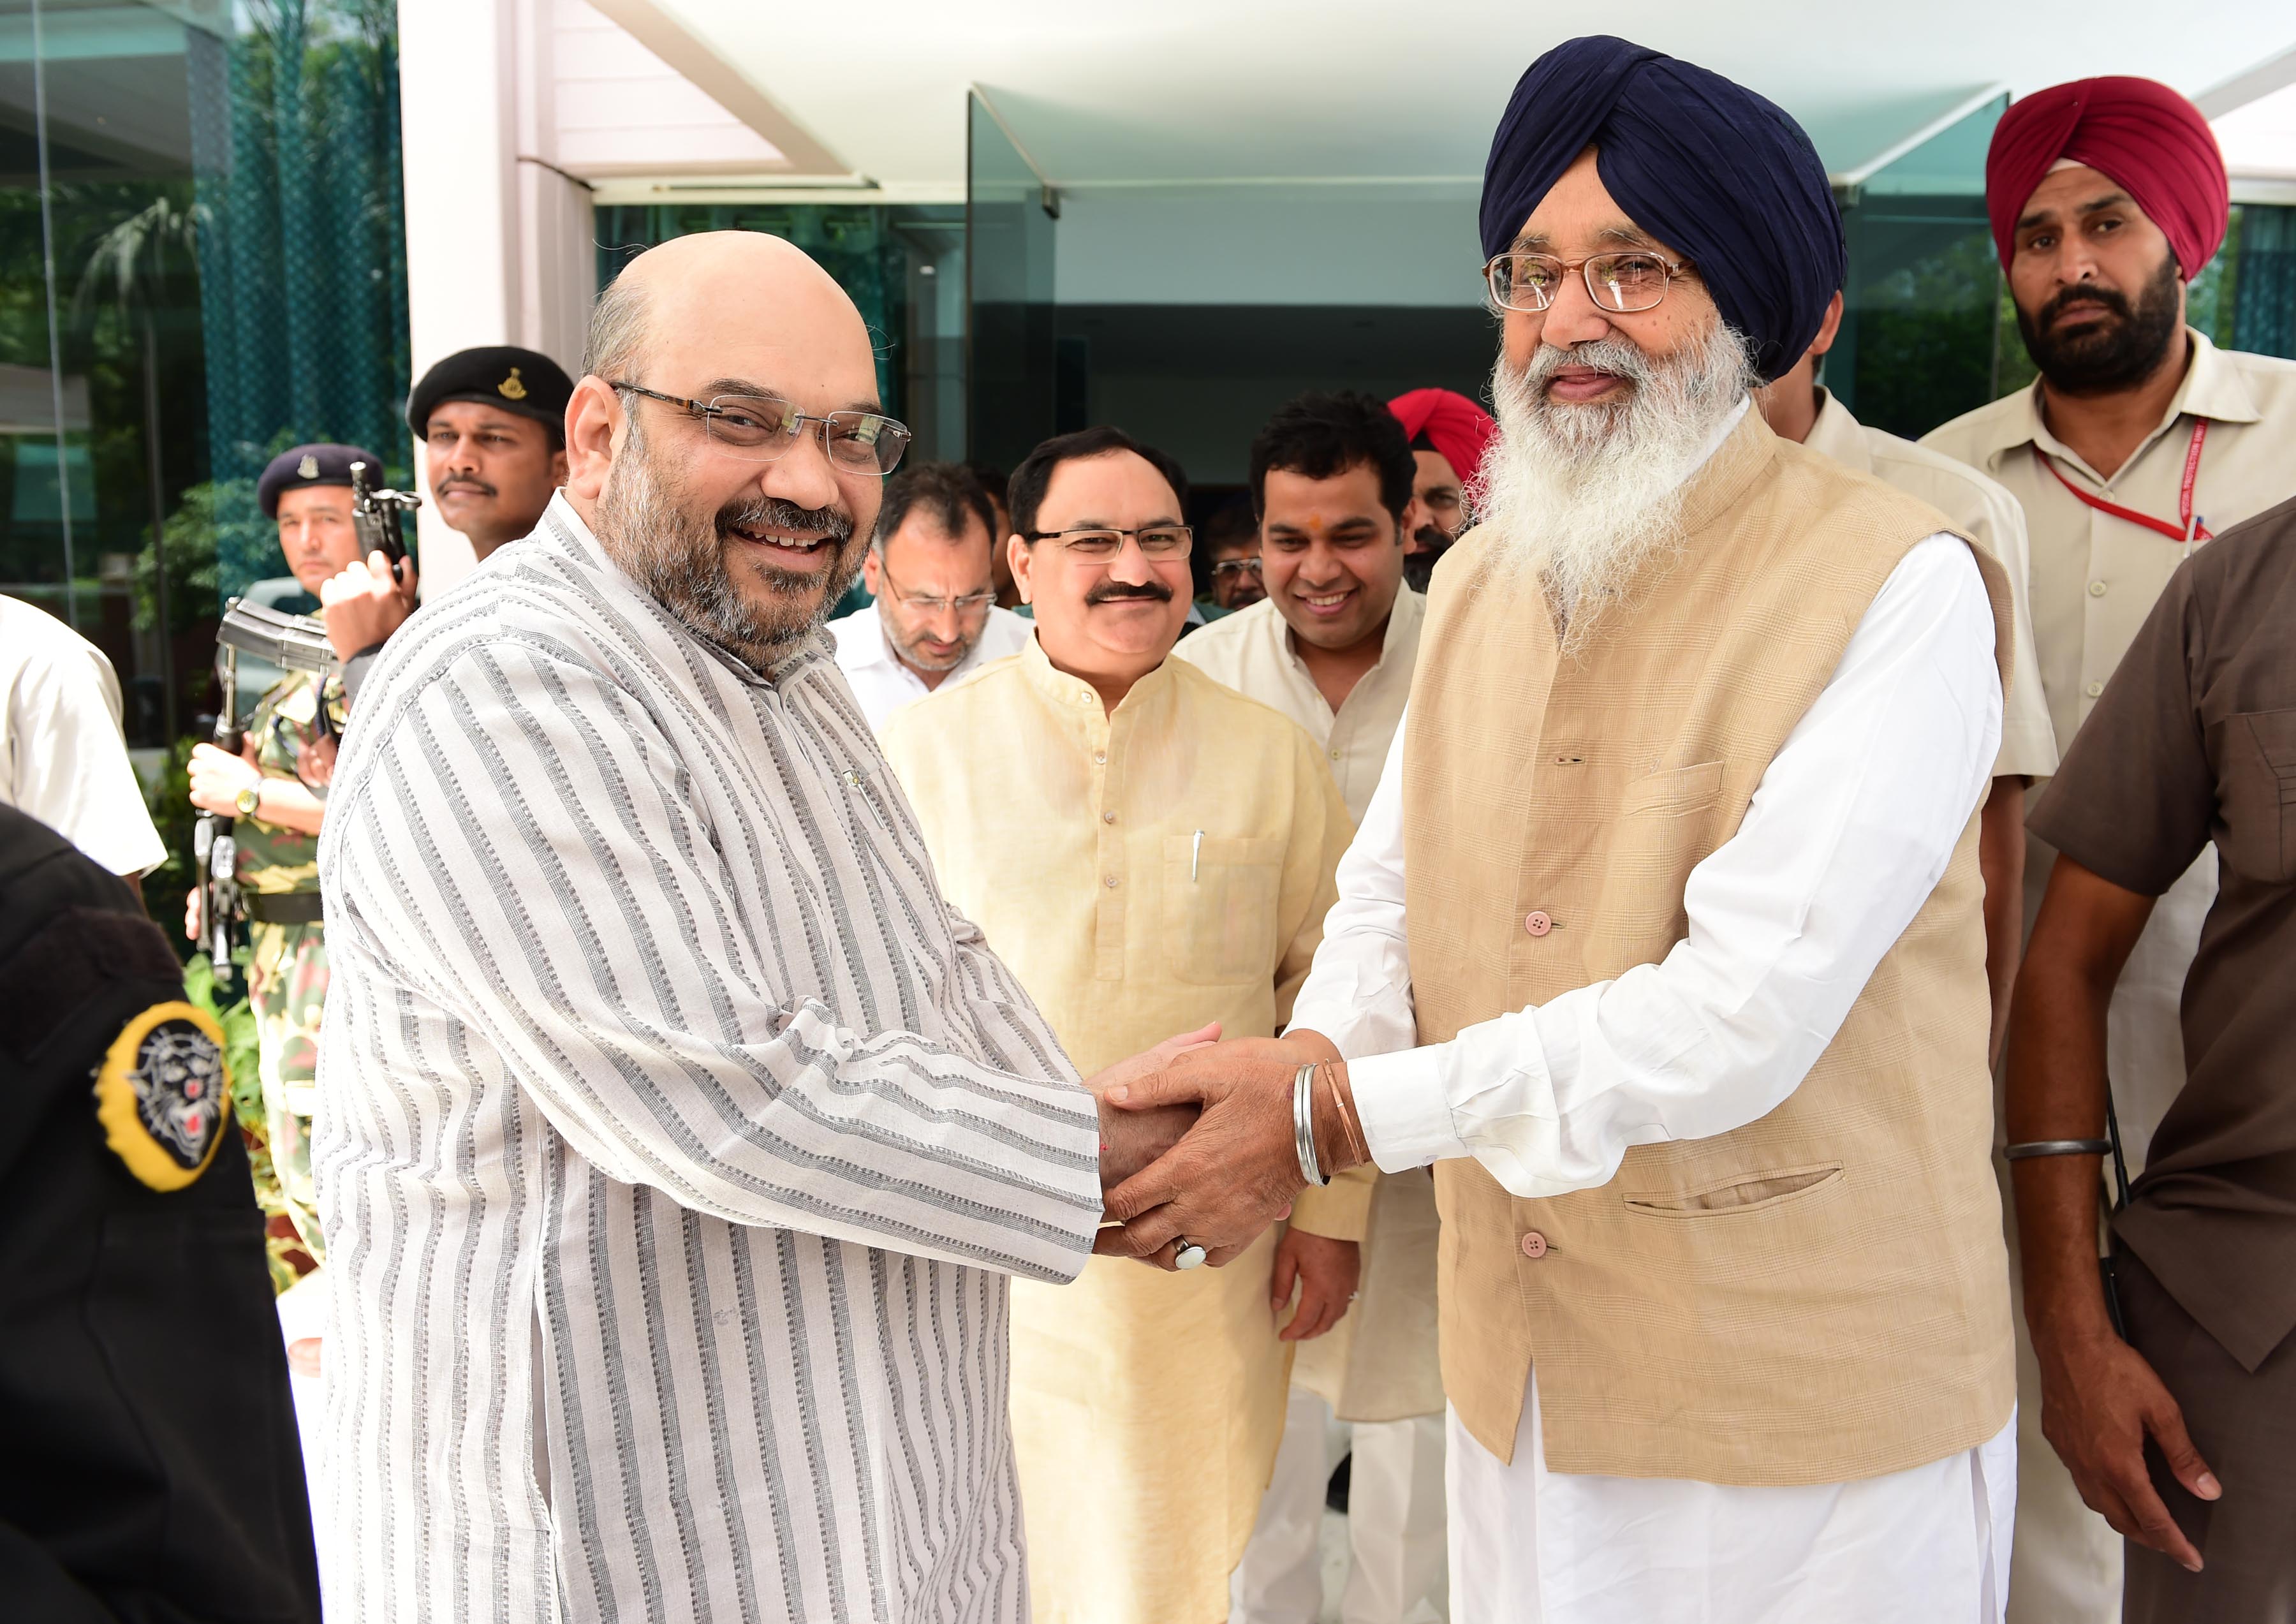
{"x":675,"y":1140}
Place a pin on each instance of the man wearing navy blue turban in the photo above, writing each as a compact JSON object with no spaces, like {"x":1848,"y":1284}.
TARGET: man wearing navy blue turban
{"x":1663,"y":935}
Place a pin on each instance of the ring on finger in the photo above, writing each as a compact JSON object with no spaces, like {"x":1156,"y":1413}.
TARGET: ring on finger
{"x":1189,"y":1255}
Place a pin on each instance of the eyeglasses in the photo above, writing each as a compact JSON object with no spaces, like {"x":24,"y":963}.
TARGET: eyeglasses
{"x":762,"y":427}
{"x":1157,"y":541}
{"x":1236,"y":568}
{"x":1622,"y":282}
{"x":972,"y":605}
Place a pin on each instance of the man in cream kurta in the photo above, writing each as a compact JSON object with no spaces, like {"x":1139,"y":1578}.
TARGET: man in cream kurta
{"x":2107,"y":197}
{"x":1332,"y":479}
{"x":1149,"y":847}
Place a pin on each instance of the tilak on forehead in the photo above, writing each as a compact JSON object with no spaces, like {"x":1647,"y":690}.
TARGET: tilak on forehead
{"x":1717,"y":173}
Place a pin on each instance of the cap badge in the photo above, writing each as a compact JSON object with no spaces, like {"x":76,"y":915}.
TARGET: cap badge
{"x":308,"y":468}
{"x":510,"y":388}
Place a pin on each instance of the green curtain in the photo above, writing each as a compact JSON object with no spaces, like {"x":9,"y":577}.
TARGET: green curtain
{"x":303,"y":260}
{"x":2264,"y":318}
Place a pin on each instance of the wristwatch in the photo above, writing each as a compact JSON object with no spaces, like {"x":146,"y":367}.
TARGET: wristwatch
{"x":248,"y":800}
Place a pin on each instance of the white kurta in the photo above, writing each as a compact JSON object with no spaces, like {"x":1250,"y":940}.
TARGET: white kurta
{"x":883,"y":684}
{"x":1849,"y":831}
{"x":63,"y":758}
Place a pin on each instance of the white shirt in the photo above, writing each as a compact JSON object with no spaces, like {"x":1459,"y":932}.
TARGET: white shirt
{"x":1849,"y":831}
{"x":676,"y":1139}
{"x":62,"y":756}
{"x":1253,"y":652}
{"x":883,"y":684}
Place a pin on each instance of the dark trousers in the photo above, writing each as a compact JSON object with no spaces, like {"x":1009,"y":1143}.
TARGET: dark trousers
{"x":2244,"y":1426}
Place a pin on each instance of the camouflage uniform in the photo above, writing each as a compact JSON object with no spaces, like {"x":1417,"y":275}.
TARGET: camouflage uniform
{"x":287,"y":970}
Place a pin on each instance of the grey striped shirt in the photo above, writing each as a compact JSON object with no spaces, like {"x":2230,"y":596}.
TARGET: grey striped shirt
{"x":674,"y":1139}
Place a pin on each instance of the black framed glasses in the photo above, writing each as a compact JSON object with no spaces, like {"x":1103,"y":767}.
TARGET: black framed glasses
{"x":1621,"y":283}
{"x":1236,"y":568}
{"x":763,"y":428}
{"x":1100,"y":544}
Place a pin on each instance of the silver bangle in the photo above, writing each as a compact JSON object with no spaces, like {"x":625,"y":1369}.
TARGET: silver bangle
{"x":1303,"y":1124}
{"x":2058,"y":1147}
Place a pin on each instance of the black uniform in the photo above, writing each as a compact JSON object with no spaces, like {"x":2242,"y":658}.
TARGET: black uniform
{"x":150,"y":1469}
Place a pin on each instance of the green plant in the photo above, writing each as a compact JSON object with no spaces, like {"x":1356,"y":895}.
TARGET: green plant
{"x":240,"y":1050}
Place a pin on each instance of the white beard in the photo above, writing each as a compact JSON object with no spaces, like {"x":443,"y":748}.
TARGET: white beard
{"x":1590,"y":496}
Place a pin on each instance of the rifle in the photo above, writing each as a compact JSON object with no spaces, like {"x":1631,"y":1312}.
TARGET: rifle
{"x":215,"y":849}
{"x":379,"y":517}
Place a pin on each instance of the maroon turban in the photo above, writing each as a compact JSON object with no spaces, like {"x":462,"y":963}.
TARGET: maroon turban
{"x":2138,"y":134}
{"x":1452,"y":423}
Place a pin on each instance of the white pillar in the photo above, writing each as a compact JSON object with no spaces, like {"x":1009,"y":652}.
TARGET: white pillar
{"x":499,"y":242}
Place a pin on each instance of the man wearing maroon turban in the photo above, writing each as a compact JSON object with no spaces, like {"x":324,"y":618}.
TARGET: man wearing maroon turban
{"x":1447,"y":433}
{"x":2139,"y":441}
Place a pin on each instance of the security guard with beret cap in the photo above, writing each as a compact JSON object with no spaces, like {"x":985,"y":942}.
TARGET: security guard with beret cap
{"x":149,"y":1464}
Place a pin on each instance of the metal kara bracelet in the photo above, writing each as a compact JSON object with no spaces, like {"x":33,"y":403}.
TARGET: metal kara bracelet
{"x":2058,"y":1147}
{"x":1303,"y":1124}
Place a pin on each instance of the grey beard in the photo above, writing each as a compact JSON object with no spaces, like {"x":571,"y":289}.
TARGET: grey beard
{"x":678,"y":555}
{"x":1591,"y":495}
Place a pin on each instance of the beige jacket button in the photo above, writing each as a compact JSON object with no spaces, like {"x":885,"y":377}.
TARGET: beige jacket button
{"x":1534,"y":1245}
{"x":1537,"y":923}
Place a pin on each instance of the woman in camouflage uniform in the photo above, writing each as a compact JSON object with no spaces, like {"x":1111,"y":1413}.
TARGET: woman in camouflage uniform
{"x":276,"y":789}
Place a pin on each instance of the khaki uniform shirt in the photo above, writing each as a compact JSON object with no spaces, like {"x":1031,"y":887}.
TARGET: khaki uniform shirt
{"x":1141,"y":873}
{"x":1989,"y":515}
{"x":2094,"y":580}
{"x":1380,"y":1363}
{"x":2194,"y":743}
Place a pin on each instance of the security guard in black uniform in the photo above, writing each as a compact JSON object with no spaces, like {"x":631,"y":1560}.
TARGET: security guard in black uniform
{"x":149,"y":1464}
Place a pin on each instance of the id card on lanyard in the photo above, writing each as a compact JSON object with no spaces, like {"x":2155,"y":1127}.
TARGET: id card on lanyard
{"x":2186,"y":530}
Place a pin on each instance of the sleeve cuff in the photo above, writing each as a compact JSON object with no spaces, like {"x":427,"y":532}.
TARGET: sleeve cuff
{"x":1400,"y":1100}
{"x":1339,"y":1211}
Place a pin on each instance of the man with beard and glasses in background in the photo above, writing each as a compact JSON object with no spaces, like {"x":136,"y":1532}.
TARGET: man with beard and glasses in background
{"x":492,"y":422}
{"x":1154,"y":848}
{"x":680,"y":1138}
{"x":2139,"y":441}
{"x":932,"y":616}
{"x":1448,"y":435}
{"x":1332,"y":648}
{"x":1663,"y":936}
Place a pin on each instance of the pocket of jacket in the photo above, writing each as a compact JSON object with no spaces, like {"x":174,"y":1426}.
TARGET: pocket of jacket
{"x":1219,"y":902}
{"x":1676,"y":791}
{"x":1740,"y":1193}
{"x":2261,"y":782}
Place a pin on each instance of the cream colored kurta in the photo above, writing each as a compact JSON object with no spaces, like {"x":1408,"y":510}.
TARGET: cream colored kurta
{"x":1141,"y":873}
{"x":2092,"y":581}
{"x":1380,"y":1363}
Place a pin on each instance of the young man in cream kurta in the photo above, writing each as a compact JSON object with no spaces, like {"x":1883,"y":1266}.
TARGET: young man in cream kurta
{"x":2098,"y":252}
{"x":1332,"y":647}
{"x":1142,"y":846}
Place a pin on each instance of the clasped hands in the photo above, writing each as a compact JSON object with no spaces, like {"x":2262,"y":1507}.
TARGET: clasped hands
{"x":1197,"y":1142}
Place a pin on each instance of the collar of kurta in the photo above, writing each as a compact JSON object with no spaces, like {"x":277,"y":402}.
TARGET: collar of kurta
{"x":2213,"y":389}
{"x":1059,"y":688}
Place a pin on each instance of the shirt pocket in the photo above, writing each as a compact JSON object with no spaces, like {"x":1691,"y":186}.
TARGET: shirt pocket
{"x":2259,"y":794}
{"x":1220,"y":898}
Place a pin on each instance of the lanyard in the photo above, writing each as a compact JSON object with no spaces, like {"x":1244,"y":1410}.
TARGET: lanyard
{"x":2187,"y":530}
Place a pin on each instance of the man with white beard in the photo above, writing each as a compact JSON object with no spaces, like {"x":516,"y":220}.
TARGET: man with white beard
{"x":1662,"y":936}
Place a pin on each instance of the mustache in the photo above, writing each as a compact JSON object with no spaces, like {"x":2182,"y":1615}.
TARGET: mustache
{"x":1617,"y":357}
{"x":1112,"y":592}
{"x":771,"y":511}
{"x":466,"y":482}
{"x":1427,"y":535}
{"x":2108,"y":298}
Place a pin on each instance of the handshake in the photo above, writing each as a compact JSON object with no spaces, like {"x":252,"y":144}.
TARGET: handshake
{"x":1200,"y":1146}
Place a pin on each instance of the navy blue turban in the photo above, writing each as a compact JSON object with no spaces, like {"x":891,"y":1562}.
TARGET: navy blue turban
{"x":1719,"y":174}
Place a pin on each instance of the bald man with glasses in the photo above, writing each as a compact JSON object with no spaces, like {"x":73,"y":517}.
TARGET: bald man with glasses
{"x":935,"y":619}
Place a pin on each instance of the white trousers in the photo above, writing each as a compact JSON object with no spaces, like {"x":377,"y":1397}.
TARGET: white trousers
{"x":1395,"y":1523}
{"x":1926,"y":1545}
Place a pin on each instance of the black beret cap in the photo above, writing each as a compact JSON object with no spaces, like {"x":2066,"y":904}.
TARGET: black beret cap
{"x":302,"y":466}
{"x":522,"y":381}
